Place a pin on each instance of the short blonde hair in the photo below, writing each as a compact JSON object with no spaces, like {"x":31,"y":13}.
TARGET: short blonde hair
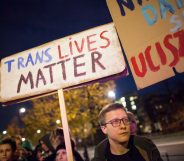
{"x":108,"y":108}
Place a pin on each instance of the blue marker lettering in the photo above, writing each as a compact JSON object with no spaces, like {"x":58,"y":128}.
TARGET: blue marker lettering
{"x":29,"y":60}
{"x":48,"y":55}
{"x":164,"y":6}
{"x":147,"y":17}
{"x":128,"y":4}
{"x":178,"y":23}
{"x":20,"y":62}
{"x":9,"y":64}
{"x":179,"y":3}
{"x":39,"y":58}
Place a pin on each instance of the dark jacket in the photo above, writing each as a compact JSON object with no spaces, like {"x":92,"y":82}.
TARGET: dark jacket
{"x":145,"y":146}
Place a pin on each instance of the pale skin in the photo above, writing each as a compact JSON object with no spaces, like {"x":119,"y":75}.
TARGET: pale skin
{"x":118,"y":136}
{"x":61,"y":155}
{"x":6,"y":152}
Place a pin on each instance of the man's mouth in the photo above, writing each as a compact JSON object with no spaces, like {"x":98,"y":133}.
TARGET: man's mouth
{"x":124,"y":133}
{"x":4,"y":158}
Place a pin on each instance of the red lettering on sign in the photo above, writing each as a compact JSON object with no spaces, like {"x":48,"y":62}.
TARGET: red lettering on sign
{"x":79,"y":49}
{"x":90,"y":43}
{"x":180,"y":35}
{"x":146,"y":60}
{"x":138,"y":72}
{"x":173,"y":50}
{"x":105,"y":38}
{"x":60,"y":53}
{"x":70,"y":46}
{"x":149,"y":60}
{"x":161,"y":53}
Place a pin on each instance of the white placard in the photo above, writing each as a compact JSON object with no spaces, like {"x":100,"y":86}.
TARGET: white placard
{"x":69,"y":61}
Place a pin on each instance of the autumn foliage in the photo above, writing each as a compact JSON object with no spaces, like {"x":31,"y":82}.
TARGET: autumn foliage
{"x":82,"y":105}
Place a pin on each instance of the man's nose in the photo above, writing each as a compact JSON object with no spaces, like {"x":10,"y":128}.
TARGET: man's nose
{"x":61,"y":156}
{"x":4,"y":153}
{"x":122,"y":124}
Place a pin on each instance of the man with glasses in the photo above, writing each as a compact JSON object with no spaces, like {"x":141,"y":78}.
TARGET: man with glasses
{"x":120,"y":145}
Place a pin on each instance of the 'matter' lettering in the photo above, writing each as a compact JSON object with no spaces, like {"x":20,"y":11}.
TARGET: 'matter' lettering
{"x":46,"y":75}
{"x":29,"y":78}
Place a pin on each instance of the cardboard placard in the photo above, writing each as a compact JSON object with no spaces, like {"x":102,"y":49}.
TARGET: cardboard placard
{"x":152,"y":35}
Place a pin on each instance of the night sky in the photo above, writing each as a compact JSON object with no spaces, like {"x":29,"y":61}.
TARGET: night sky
{"x":27,"y":24}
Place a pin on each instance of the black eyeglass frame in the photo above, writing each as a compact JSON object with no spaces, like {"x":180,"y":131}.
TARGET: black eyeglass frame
{"x":117,"y":122}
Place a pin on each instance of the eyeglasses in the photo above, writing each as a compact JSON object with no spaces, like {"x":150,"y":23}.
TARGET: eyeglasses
{"x":117,"y":122}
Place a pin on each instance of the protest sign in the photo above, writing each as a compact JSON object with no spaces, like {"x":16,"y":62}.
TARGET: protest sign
{"x":152,"y":35}
{"x":69,"y":61}
{"x":66,"y":62}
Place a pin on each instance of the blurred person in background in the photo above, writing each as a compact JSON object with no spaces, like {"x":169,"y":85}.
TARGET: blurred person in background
{"x":46,"y":145}
{"x":18,"y":141}
{"x":133,"y":123}
{"x":20,"y":152}
{"x":61,"y":154}
{"x":28,"y":147}
{"x":24,"y":148}
{"x":38,"y":154}
{"x":57,"y":138}
{"x":7,"y":149}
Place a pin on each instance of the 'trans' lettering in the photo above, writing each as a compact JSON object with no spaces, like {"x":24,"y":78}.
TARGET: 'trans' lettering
{"x":78,"y":70}
{"x":32,"y":59}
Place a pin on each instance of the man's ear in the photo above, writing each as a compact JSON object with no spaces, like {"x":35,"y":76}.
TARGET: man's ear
{"x":104,"y":129}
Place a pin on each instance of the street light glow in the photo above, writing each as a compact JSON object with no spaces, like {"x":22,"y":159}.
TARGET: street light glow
{"x":111,"y":94}
{"x":131,"y":98}
{"x":132,"y":103}
{"x":23,"y":139}
{"x":22,"y":110}
{"x":122,"y":99}
{"x":38,"y":131}
{"x":4,"y":132}
{"x":124,"y":104}
{"x":58,"y":121}
{"x":134,"y":107}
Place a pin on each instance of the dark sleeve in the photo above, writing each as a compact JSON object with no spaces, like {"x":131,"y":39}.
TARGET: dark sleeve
{"x":77,"y":156}
{"x":50,"y":157}
{"x":100,"y":151}
{"x":148,"y":145}
{"x":154,"y":153}
{"x":97,"y":156}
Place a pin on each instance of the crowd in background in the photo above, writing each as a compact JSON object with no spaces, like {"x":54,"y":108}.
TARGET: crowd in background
{"x":51,"y":147}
